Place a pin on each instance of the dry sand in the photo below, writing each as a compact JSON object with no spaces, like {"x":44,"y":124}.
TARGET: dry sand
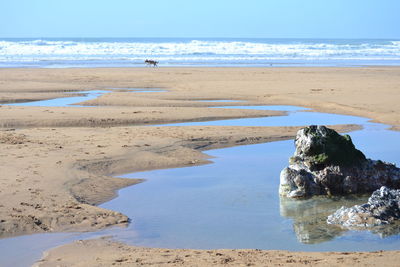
{"x":57,"y":163}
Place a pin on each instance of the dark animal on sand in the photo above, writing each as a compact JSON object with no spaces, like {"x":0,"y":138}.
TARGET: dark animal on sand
{"x":151,"y":62}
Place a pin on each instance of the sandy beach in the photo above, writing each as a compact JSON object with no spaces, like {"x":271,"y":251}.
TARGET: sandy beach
{"x":103,"y":252}
{"x":58,"y":163}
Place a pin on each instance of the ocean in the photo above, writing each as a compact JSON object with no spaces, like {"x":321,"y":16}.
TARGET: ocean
{"x":196,"y":52}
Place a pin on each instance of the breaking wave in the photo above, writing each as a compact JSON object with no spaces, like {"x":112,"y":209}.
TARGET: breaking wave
{"x":182,"y":50}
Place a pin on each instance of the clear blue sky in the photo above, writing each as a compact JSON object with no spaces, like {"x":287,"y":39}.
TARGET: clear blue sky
{"x":203,"y":18}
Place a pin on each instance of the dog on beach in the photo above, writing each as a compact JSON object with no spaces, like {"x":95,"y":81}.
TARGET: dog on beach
{"x":151,"y":62}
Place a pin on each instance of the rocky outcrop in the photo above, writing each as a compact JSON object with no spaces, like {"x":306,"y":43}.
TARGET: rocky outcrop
{"x":382,"y":208}
{"x":327,"y":163}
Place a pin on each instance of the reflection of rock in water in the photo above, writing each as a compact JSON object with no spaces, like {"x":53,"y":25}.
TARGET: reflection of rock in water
{"x":386,"y":230}
{"x":309,"y":216}
{"x":315,"y":230}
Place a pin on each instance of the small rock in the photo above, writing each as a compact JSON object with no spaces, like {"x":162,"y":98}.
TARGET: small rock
{"x":383,"y":207}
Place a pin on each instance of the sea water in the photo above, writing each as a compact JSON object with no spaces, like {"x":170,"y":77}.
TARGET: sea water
{"x":131,"y":52}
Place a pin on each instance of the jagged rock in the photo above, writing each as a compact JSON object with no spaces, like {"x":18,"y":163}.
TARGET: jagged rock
{"x":327,"y":163}
{"x":383,"y":208}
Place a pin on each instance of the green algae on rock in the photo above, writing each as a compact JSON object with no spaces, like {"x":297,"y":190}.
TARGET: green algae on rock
{"x":320,"y":146}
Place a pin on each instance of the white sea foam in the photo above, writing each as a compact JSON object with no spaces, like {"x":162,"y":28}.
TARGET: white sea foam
{"x":196,"y":50}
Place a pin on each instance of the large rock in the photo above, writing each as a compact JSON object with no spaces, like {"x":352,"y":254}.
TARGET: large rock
{"x":327,"y":163}
{"x":383,"y":208}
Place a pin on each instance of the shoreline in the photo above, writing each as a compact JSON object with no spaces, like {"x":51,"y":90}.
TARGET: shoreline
{"x":221,"y":66}
{"x":88,"y":155}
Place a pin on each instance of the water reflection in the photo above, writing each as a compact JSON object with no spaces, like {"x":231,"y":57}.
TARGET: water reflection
{"x":386,"y":231}
{"x":309,"y":216}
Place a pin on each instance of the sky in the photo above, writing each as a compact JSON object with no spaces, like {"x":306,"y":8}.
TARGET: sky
{"x":203,"y":18}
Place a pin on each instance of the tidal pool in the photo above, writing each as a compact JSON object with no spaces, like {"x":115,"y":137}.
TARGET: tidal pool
{"x":64,"y":101}
{"x":296,"y":116}
{"x":234,"y":202}
{"x":82,"y":97}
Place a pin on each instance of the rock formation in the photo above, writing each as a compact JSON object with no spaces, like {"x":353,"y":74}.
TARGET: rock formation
{"x":327,"y":163}
{"x":383,"y":208}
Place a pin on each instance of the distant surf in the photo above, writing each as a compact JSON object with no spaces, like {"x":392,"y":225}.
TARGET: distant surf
{"x":131,"y":52}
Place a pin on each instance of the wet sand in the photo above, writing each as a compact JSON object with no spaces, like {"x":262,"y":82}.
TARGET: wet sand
{"x":58,"y":163}
{"x":371,"y":92}
{"x":103,"y":252}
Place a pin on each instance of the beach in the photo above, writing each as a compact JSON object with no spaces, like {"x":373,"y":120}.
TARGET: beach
{"x":59,"y":163}
{"x":105,"y":253}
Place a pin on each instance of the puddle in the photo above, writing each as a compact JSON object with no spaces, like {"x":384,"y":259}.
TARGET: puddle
{"x":293,"y":118}
{"x":84,"y":96}
{"x":234,"y":202}
{"x":64,"y":101}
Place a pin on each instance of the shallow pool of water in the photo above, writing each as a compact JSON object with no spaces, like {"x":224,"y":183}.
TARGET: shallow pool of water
{"x":293,"y":118}
{"x":64,"y":101}
{"x":234,"y":202}
{"x":83,"y":96}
